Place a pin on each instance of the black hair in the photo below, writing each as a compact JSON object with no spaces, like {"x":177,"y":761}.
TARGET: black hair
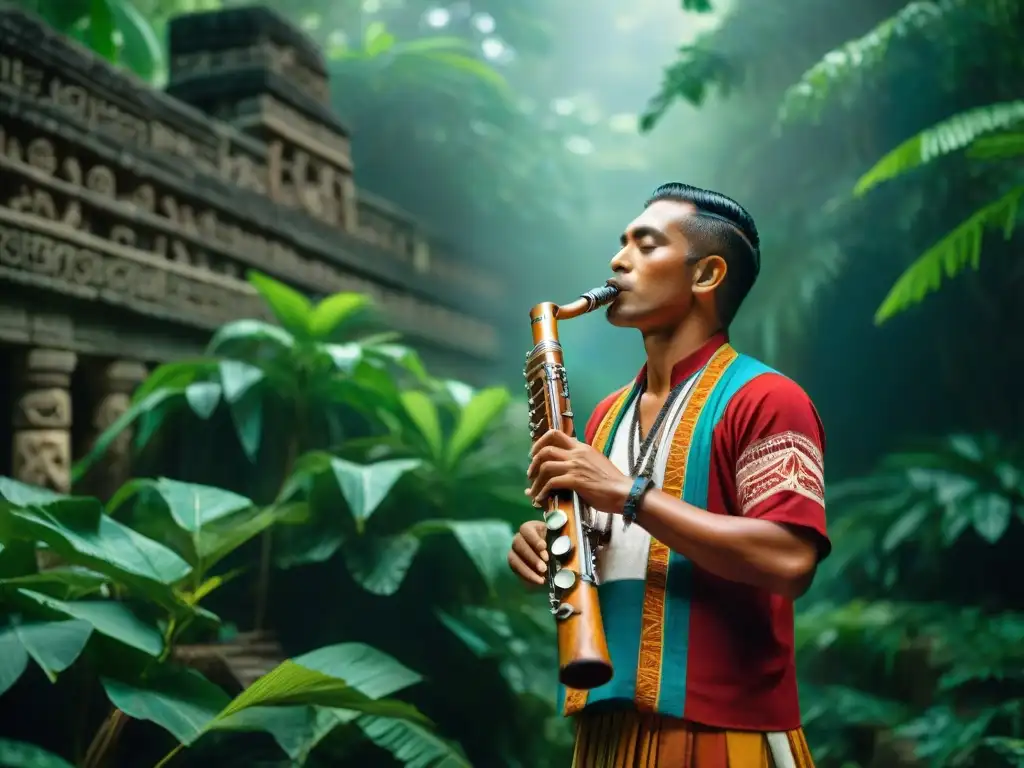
{"x":724,"y":227}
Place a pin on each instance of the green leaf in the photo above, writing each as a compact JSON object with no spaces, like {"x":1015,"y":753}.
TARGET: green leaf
{"x":421,"y":409}
{"x":241,"y":338}
{"x":108,"y":617}
{"x":290,"y":307}
{"x":141,"y":51}
{"x":474,"y":420}
{"x":950,"y":135}
{"x":331,"y":313}
{"x":101,"y":30}
{"x":379,"y":564}
{"x":21,"y":754}
{"x":193,"y":506}
{"x":991,"y":516}
{"x":53,"y":645}
{"x":298,"y":729}
{"x":412,"y":744}
{"x":905,"y":526}
{"x":175,"y":376}
{"x":62,"y":583}
{"x":365,"y":486}
{"x":237,"y":378}
{"x":349,"y":676}
{"x":486,"y":542}
{"x":203,"y":397}
{"x":240,"y":383}
{"x":77,"y":530}
{"x":953,"y":254}
{"x":179,"y":700}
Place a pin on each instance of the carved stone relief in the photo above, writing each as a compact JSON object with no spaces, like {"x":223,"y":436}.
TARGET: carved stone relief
{"x":42,"y":420}
{"x":110,"y":388}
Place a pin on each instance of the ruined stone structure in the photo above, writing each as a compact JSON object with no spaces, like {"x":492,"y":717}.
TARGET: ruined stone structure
{"x":129,"y":217}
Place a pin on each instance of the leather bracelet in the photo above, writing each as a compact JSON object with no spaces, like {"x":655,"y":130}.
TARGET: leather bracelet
{"x":641,"y":485}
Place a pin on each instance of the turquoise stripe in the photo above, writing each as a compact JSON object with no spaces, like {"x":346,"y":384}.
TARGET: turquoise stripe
{"x":622,"y":605}
{"x":679,"y":583}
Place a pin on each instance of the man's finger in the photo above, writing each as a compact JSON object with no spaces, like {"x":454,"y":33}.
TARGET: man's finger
{"x":522,"y":570}
{"x":549,"y":453}
{"x":548,"y":472}
{"x":534,"y":534}
{"x":528,"y":554}
{"x":553,"y":437}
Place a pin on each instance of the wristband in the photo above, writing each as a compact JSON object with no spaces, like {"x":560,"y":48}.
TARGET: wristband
{"x":641,"y":485}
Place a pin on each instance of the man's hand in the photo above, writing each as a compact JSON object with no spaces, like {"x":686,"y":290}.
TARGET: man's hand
{"x":562,"y":463}
{"x":529,"y":554}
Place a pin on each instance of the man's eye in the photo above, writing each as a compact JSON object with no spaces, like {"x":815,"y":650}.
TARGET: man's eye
{"x":646,"y":246}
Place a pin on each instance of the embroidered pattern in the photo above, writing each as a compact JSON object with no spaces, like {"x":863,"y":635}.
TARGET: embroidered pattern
{"x":787,"y":461}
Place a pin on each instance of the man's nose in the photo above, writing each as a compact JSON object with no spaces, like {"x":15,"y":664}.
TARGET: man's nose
{"x":620,"y":261}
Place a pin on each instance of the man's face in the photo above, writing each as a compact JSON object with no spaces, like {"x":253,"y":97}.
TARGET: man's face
{"x":652,"y":270}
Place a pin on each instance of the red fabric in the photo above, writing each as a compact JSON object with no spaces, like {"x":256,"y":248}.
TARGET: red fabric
{"x":741,"y":672}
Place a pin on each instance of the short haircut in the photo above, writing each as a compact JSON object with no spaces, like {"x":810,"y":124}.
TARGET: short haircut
{"x":724,"y":227}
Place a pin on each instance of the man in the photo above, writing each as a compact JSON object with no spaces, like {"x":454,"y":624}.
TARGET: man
{"x":707,"y":473}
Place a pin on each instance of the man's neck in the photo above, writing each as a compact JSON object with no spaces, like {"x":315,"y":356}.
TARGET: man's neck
{"x":666,"y":349}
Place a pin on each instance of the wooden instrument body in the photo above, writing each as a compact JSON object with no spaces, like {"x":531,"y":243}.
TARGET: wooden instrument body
{"x":583,"y":659}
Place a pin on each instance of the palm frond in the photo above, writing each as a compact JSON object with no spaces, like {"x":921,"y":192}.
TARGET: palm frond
{"x":954,"y":253}
{"x":858,"y":61}
{"x":951,"y":135}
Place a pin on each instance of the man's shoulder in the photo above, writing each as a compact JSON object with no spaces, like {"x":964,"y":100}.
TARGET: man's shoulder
{"x":769,"y":402}
{"x":769,"y":386}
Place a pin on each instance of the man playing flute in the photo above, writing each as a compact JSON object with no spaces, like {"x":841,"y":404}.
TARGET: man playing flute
{"x":705,"y":475}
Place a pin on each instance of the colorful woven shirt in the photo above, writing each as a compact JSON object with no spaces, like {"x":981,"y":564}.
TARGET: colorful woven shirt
{"x":741,"y":439}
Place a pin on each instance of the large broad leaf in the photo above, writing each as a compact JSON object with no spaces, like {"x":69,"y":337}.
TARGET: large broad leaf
{"x":298,"y":729}
{"x":412,"y":744}
{"x":474,"y":420}
{"x":380,"y":564}
{"x":246,"y":339}
{"x":77,"y":530}
{"x":365,"y":486}
{"x":348,"y":676}
{"x":206,"y":523}
{"x":240,"y":383}
{"x":423,"y":413}
{"x":53,"y":645}
{"x":333,"y":312}
{"x":486,"y":542}
{"x":21,"y":754}
{"x":203,"y":397}
{"x":108,"y":617}
{"x":290,"y":307}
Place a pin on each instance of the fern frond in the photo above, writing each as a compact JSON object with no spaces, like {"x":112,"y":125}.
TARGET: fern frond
{"x":858,"y":60}
{"x":849,"y":62}
{"x":958,"y":250}
{"x":1002,"y":146}
{"x":951,"y":135}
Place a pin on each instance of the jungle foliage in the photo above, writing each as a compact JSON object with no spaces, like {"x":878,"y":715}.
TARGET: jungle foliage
{"x":312,"y":453}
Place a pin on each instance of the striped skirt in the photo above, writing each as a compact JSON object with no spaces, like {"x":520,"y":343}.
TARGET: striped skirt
{"x":634,"y":740}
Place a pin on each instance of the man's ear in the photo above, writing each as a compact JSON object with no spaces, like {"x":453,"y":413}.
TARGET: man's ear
{"x":709,"y":273}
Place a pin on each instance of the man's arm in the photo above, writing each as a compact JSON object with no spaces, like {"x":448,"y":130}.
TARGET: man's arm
{"x":775,"y":444}
{"x":755,"y":552}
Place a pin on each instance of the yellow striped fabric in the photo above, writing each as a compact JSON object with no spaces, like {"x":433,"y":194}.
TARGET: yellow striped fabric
{"x":630,"y":739}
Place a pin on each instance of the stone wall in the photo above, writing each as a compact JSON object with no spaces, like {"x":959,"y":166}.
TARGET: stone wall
{"x":130,"y":216}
